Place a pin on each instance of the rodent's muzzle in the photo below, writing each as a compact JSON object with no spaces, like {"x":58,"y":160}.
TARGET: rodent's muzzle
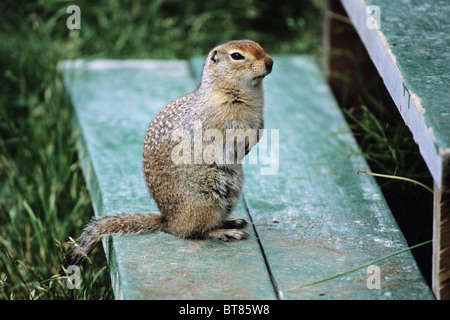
{"x":268,"y":61}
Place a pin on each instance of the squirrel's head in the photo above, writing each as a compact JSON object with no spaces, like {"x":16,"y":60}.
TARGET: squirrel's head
{"x":238,"y":62}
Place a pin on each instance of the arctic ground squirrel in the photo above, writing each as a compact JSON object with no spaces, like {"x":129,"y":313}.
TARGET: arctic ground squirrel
{"x":196,"y":190}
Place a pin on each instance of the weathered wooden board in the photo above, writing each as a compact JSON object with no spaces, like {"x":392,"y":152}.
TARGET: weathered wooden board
{"x":114,"y":104}
{"x":410,"y":51}
{"x":313,"y":215}
{"x":409,"y":48}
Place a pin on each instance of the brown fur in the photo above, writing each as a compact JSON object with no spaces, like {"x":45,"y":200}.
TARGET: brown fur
{"x":196,"y":199}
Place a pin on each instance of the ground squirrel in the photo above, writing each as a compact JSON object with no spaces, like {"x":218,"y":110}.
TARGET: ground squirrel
{"x":195,"y":194}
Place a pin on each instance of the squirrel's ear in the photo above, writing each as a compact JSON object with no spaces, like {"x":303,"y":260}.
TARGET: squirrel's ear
{"x":214,"y":56}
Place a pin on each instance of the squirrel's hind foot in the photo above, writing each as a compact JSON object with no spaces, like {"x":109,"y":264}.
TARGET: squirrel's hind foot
{"x":227,"y":234}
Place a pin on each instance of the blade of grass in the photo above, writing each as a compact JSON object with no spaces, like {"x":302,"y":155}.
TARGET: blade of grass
{"x":395,"y":177}
{"x":13,"y":263}
{"x":361,"y":266}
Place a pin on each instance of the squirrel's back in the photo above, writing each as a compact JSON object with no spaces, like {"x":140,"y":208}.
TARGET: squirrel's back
{"x":196,"y":194}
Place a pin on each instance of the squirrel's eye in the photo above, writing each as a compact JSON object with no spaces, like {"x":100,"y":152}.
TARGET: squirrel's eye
{"x":237,"y":56}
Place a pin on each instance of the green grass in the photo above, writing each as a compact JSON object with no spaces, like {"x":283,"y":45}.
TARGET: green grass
{"x":43,"y":197}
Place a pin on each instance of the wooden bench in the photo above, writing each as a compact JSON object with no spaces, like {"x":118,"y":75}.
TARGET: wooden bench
{"x":409,"y":48}
{"x":313,"y":217}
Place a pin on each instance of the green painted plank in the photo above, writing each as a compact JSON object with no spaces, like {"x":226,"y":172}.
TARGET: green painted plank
{"x":322,"y":218}
{"x":410,"y":51}
{"x":307,"y":234}
{"x":316,"y":217}
{"x":114,"y":103}
{"x":418,"y":34}
{"x":161,"y":266}
{"x":409,"y":48}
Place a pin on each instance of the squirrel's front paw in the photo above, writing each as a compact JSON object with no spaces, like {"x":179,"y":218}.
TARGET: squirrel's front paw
{"x":235,"y":223}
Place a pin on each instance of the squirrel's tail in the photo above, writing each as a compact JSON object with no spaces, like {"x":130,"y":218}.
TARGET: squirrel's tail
{"x":100,"y":227}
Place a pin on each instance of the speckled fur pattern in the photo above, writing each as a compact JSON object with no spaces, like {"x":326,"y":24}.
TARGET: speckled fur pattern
{"x":196,"y":199}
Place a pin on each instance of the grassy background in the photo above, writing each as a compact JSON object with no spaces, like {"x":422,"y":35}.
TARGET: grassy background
{"x":43,"y":198}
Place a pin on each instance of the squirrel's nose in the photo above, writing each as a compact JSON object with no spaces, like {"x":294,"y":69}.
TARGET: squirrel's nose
{"x":268,"y":61}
